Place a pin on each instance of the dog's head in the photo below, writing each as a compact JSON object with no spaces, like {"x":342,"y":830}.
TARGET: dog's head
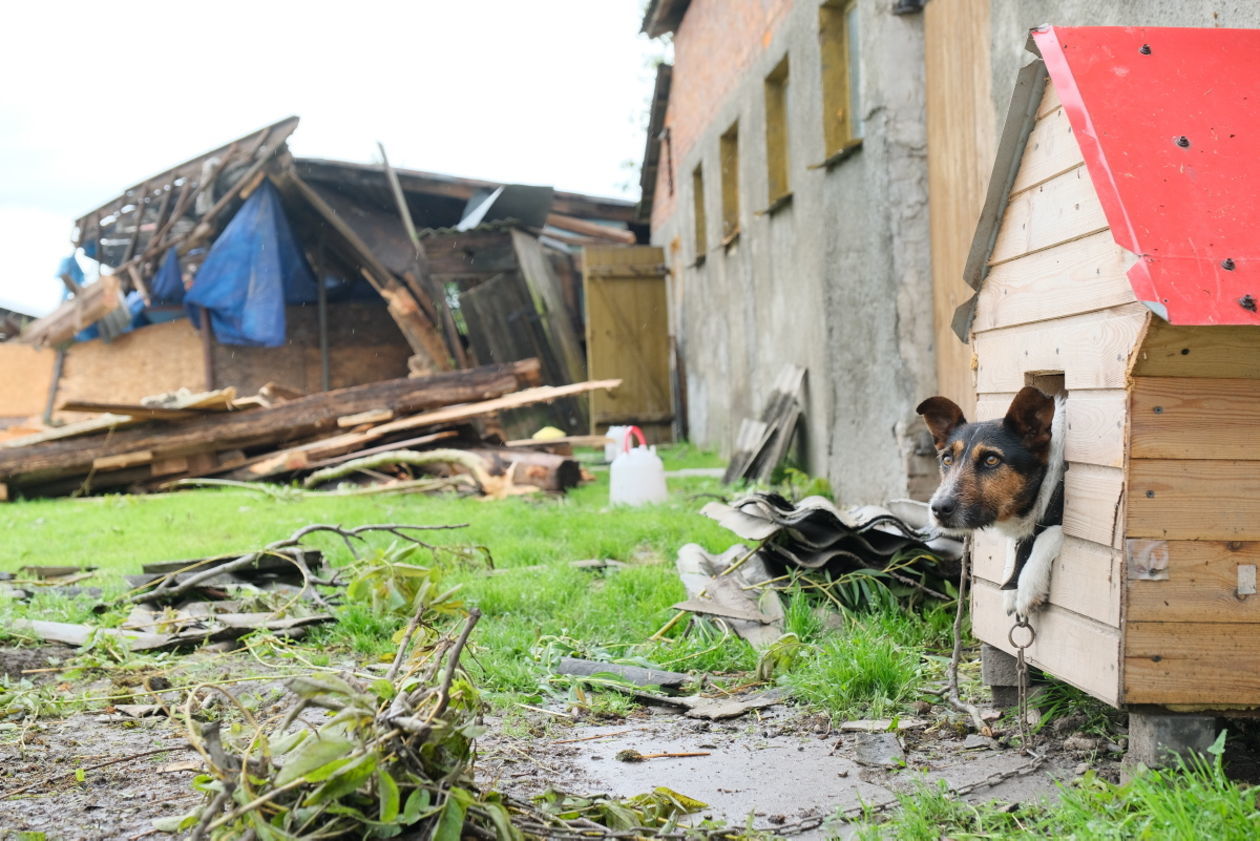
{"x":990,"y":471}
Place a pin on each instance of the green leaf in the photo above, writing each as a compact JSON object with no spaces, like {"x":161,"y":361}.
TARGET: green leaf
{"x":450,"y":825}
{"x":387,"y":794}
{"x":314,"y":754}
{"x":345,"y":780}
{"x":80,"y":775}
{"x":415,"y":807}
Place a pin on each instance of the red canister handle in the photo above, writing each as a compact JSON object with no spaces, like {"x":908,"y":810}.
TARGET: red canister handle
{"x":625,"y":441}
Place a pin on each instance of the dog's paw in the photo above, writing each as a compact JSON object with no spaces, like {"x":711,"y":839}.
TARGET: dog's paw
{"x":1028,"y":600}
{"x":1008,"y":601}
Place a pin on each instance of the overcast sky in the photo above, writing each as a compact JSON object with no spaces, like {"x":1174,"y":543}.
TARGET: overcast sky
{"x":98,"y":96}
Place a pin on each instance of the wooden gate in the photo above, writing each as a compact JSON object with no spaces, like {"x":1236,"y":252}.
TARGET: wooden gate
{"x":627,"y":336}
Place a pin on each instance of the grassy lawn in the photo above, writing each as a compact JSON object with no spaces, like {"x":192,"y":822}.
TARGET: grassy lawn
{"x":537,"y":606}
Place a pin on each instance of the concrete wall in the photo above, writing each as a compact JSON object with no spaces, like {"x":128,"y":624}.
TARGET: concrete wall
{"x":837,"y":280}
{"x":1010,"y":21}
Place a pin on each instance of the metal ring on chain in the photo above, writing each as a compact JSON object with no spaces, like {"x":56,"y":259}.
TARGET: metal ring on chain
{"x":1021,"y":622}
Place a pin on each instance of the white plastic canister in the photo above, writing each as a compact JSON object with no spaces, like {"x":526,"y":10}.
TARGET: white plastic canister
{"x":637,"y":474}
{"x":616,"y":442}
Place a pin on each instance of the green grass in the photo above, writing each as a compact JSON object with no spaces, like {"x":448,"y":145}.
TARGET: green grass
{"x":1191,"y":801}
{"x":873,"y":666}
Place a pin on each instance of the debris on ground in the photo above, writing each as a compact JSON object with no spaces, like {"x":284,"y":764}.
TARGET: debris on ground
{"x":761,"y":444}
{"x":331,"y":435}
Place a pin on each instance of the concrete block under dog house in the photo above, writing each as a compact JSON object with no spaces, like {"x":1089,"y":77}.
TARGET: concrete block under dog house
{"x":1118,"y":258}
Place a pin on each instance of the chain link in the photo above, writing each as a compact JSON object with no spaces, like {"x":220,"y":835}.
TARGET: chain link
{"x":1021,"y":672}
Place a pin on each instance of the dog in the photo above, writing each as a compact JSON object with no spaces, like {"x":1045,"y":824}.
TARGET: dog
{"x":1006,"y":475}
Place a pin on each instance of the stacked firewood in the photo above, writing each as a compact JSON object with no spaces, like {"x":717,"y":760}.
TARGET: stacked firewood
{"x":279,"y":437}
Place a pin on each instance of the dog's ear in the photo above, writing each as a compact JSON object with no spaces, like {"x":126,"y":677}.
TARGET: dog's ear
{"x":942,"y":417}
{"x":1029,"y":417}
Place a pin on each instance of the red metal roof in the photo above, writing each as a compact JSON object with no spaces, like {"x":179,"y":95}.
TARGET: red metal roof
{"x":1169,"y":124}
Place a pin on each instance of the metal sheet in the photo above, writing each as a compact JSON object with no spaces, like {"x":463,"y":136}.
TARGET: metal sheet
{"x":1168,"y":123}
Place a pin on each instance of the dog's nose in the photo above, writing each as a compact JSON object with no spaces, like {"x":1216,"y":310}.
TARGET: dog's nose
{"x":944,"y":508}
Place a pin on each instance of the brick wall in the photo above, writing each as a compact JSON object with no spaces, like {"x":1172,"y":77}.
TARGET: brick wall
{"x":717,"y":40}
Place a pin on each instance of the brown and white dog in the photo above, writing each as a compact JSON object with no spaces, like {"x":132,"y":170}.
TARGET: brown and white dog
{"x":1007,"y":475}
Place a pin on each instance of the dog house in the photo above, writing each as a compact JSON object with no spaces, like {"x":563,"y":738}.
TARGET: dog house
{"x":1118,"y":258}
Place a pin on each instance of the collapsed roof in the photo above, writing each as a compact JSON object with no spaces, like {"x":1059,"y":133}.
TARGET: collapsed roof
{"x":356,"y":227}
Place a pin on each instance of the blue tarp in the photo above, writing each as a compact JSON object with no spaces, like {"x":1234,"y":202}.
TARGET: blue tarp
{"x":253,"y":269}
{"x":167,"y":288}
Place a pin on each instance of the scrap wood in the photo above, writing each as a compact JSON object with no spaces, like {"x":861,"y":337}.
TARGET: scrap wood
{"x":42,"y":462}
{"x":632,"y":755}
{"x":762,"y":443}
{"x":242,"y":624}
{"x":713,"y":709}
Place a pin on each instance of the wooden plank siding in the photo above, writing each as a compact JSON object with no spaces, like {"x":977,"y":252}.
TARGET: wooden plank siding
{"x":1069,"y":646}
{"x":1087,"y":577}
{"x":1080,"y":276}
{"x":1201,"y":586}
{"x":1221,"y":352}
{"x":1194,"y":499}
{"x":961,"y":144}
{"x":1051,"y":149}
{"x":1195,"y":418}
{"x":1059,"y":210}
{"x":1091,"y":349}
{"x":1215,"y":664}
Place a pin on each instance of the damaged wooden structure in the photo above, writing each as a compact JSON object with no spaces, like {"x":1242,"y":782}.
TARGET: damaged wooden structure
{"x":1115,"y":261}
{"x":389,"y":272}
{"x":153,"y":445}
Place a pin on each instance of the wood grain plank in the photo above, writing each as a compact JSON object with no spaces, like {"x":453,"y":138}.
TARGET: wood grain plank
{"x":1206,"y":663}
{"x":1093,"y":502}
{"x":1059,"y":210}
{"x":1201,"y":585}
{"x":1092,"y":350}
{"x":1195,"y":418}
{"x":1087,"y":578}
{"x":1071,"y":647}
{"x":1215,"y":352}
{"x":962,"y":142}
{"x":1051,"y":148}
{"x":1095,"y":427}
{"x":1079,"y":276}
{"x":1176,"y":499}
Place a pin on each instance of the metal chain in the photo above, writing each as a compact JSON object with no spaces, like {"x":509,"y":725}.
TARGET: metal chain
{"x":1021,"y":672}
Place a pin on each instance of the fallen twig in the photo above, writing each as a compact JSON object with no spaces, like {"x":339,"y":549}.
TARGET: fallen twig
{"x":596,"y":736}
{"x":632,"y":755}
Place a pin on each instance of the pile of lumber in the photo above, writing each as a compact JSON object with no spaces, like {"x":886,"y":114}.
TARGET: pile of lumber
{"x":152,"y":446}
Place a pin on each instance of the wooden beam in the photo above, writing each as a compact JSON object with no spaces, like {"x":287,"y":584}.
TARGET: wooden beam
{"x":590,"y":229}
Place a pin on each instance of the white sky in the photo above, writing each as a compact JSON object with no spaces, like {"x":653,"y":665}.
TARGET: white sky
{"x":97,"y":96}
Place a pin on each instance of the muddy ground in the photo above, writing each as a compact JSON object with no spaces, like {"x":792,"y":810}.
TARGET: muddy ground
{"x":785,"y":769}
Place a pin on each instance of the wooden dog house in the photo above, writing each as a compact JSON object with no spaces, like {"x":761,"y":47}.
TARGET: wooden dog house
{"x":1117,"y":258}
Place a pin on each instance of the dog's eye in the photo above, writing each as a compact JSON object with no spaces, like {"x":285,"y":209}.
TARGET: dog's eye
{"x":992,"y":461}
{"x":947,"y":460}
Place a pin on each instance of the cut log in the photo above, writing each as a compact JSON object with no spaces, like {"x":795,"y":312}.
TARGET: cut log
{"x":542,"y":470}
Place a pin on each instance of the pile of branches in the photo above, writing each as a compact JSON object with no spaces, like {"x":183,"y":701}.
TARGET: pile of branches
{"x":385,"y":755}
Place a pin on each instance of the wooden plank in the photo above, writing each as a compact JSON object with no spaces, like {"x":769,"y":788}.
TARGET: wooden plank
{"x":1201,"y":586}
{"x":1221,"y":351}
{"x":1194,"y":499}
{"x":1093,"y":500}
{"x":1095,"y":427}
{"x":285,"y":422}
{"x":1203,"y":663}
{"x":1195,"y":418}
{"x":1051,"y":149}
{"x":961,"y":144}
{"x":1080,"y":276}
{"x":1086,"y":580}
{"x":1092,"y":350}
{"x":122,"y":460}
{"x":370,"y":416}
{"x":1070,"y":647}
{"x":1062,"y":209}
{"x":548,"y":301}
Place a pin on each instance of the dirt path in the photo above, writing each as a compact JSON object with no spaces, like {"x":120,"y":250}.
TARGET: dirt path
{"x":774,"y":767}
